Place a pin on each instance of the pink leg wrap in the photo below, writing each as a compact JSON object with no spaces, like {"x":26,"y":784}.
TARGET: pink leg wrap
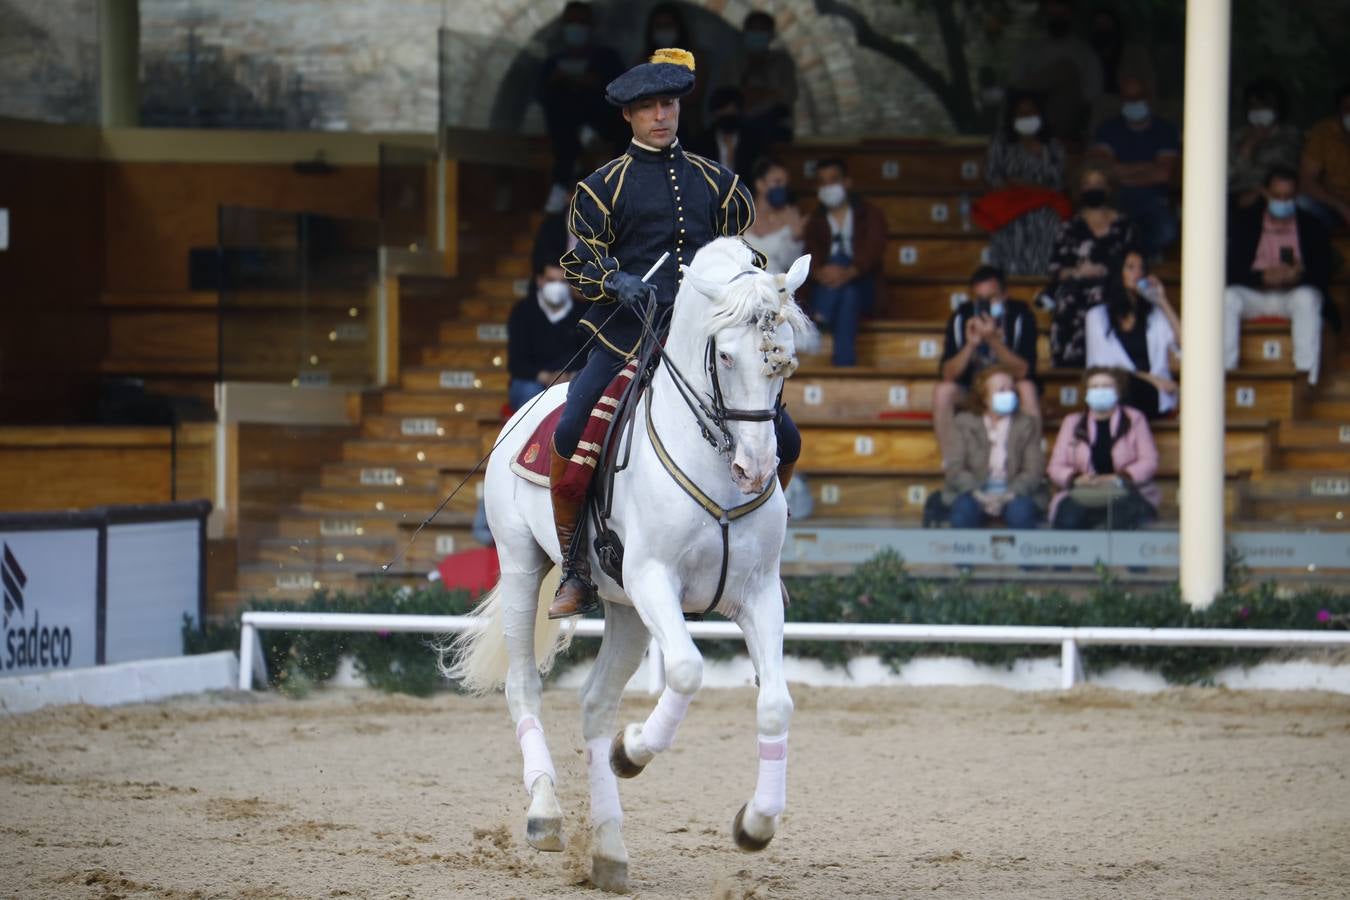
{"x":658,"y":732}
{"x":535,"y":751}
{"x":771,"y":788}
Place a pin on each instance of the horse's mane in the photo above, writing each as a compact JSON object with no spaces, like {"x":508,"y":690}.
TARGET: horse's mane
{"x":746,"y":297}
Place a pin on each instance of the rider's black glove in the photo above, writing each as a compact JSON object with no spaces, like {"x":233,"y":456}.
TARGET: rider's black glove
{"x":630,"y":289}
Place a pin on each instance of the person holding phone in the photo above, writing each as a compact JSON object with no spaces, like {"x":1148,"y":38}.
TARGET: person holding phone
{"x":1279,"y":264}
{"x":989,"y":329}
{"x":1135,"y":329}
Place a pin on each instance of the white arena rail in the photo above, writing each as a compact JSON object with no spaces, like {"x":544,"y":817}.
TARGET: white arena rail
{"x":1069,"y":639}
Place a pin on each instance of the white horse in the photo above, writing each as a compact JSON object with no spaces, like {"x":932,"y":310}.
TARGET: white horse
{"x":733,"y":337}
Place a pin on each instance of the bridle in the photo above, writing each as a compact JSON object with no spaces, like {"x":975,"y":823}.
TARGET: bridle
{"x":714,"y":415}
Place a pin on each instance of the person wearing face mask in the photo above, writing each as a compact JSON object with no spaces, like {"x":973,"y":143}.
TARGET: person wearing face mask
{"x":667,"y":27}
{"x":570,"y":92}
{"x":1143,"y":148}
{"x":1135,"y":329}
{"x":777,"y":231}
{"x":1026,"y":166}
{"x":997,"y":467}
{"x":1088,"y":247}
{"x":1063,"y":68}
{"x":849,"y":235}
{"x":1326,"y":165}
{"x":727,"y":142}
{"x":1279,"y":264}
{"x":767,"y":77}
{"x":542,"y":334}
{"x":1104,"y":461}
{"x":1262,"y":140}
{"x":989,"y":330}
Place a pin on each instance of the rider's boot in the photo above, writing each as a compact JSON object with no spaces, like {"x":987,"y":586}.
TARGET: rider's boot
{"x":785,"y":474}
{"x":576,"y":593}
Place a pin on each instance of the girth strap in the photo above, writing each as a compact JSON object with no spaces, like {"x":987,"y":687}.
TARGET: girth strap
{"x":723,"y":516}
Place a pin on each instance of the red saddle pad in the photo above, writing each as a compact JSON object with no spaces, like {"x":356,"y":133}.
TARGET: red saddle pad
{"x":532,"y":462}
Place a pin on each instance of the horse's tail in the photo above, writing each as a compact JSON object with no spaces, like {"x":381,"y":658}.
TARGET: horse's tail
{"x":478,"y":659}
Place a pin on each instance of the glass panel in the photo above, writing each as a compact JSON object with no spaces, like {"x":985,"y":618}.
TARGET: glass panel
{"x":407,"y":196}
{"x":298,"y":297}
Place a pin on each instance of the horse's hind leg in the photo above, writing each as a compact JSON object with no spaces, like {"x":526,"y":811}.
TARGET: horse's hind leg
{"x":524,"y":699}
{"x":620,"y":654}
{"x":761,"y":620}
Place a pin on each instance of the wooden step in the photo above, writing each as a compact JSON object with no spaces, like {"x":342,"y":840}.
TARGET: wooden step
{"x":301,"y":524}
{"x":512,"y":265}
{"x":448,"y":452}
{"x":954,"y":257}
{"x":452,"y":379}
{"x":1313,"y":445}
{"x":1300,"y":498}
{"x":476,"y":357}
{"x":418,"y":476}
{"x":369,"y":553}
{"x":417,"y":428}
{"x":892,"y":167}
{"x":909,"y":448}
{"x":406,"y":504}
{"x":446,"y":405}
{"x":273,"y":581}
{"x":470,"y":331}
{"x":501,"y":287}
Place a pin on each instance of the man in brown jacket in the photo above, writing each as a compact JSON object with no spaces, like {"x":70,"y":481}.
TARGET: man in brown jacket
{"x":849,"y":235}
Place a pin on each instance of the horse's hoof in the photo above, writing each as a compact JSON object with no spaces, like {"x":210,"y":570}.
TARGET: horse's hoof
{"x":544,"y":834}
{"x":744,"y":839}
{"x":609,"y":874}
{"x":619,"y":760}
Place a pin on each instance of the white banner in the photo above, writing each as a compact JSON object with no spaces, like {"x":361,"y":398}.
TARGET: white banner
{"x":53,"y":598}
{"x":154,"y":578}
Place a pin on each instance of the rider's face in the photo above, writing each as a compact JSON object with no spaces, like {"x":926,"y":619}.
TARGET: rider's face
{"x":654,"y":120}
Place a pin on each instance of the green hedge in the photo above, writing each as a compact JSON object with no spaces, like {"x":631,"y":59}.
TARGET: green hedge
{"x":880,"y":590}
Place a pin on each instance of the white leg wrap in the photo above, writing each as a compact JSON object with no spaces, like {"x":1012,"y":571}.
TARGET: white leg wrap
{"x":658,"y":732}
{"x":771,"y":788}
{"x":535,"y":751}
{"x":604,"y":786}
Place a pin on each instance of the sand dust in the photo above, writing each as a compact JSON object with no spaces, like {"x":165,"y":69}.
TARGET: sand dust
{"x":955,"y":792}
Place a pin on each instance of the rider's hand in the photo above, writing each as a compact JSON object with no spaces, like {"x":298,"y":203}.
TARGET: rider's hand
{"x":629,"y":289}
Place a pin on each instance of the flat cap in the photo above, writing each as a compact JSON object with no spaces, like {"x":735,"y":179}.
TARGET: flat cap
{"x":669,"y":73}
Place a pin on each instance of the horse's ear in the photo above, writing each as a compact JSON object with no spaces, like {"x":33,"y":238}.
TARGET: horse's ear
{"x":709,"y":289}
{"x":796,"y":276}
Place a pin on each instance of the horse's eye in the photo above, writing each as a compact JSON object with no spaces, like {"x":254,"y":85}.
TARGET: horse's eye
{"x":725,"y":358}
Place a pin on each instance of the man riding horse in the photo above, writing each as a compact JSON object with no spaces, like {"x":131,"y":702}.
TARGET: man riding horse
{"x":656,"y":198}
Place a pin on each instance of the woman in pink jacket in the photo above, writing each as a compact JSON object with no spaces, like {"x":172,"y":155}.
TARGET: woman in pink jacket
{"x":1104,"y":461}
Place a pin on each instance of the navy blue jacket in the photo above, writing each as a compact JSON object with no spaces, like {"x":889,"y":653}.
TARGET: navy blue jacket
{"x":634,"y":208}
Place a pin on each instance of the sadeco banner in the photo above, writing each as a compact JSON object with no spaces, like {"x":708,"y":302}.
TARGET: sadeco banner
{"x":54,"y":600}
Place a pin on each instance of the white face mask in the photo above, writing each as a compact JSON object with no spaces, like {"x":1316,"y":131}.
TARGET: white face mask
{"x":1027,"y":125}
{"x":555,"y":293}
{"x":1261,"y":118}
{"x":832,"y":195}
{"x":1004,"y":403}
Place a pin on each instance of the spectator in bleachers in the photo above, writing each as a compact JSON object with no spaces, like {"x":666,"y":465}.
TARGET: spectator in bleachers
{"x":1261,"y":141}
{"x":779,"y":224}
{"x":1063,"y":67}
{"x":571,"y":91}
{"x":846,"y":237}
{"x":989,"y":330}
{"x":666,"y":27}
{"x":543,"y":334}
{"x":1144,"y":149}
{"x":997,"y":466}
{"x":1135,"y":329}
{"x":1104,"y":461}
{"x":1089,"y":248}
{"x":767,"y":77}
{"x":1118,"y":52}
{"x":1326,"y":165}
{"x":1026,"y":164}
{"x":1279,"y":264}
{"x":727,"y":141}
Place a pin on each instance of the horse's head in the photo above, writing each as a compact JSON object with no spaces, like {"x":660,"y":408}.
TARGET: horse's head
{"x":750,"y":330}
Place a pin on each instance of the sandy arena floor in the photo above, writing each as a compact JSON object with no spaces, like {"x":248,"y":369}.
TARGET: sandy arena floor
{"x":949,"y":792}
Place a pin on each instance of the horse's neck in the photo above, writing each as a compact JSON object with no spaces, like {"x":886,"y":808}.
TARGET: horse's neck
{"x":679,"y":428}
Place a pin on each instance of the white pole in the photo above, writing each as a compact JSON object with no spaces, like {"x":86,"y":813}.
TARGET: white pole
{"x":248,"y":637}
{"x":1069,"y":665}
{"x":1204,"y":226}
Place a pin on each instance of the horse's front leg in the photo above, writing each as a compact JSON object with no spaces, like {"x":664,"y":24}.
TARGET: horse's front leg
{"x":761,"y":619}
{"x":657,"y":600}
{"x":620,"y":654}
